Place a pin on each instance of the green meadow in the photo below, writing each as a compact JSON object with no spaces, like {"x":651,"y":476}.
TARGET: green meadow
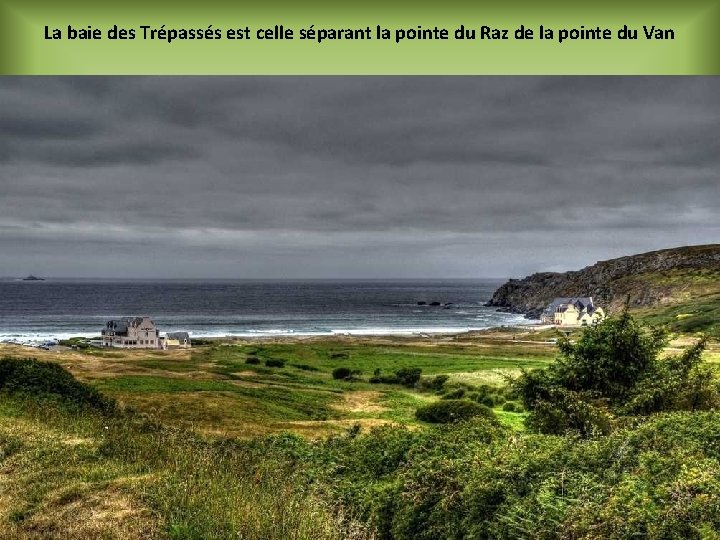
{"x":214,"y":388}
{"x":324,"y":439}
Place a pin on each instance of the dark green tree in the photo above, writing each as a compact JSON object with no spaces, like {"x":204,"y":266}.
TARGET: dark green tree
{"x":613,"y":369}
{"x":609,"y":358}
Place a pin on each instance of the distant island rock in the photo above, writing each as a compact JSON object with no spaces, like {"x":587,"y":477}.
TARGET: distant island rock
{"x":649,"y":279}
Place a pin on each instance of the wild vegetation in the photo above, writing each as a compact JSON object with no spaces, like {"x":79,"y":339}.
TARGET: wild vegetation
{"x":619,"y":440}
{"x":615,"y":370}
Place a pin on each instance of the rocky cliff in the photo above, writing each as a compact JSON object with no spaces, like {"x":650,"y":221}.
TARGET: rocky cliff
{"x":648,"y":280}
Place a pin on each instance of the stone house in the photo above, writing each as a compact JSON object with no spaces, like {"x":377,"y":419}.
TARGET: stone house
{"x":131,"y":333}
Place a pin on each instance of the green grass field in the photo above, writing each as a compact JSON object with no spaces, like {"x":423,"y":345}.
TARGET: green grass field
{"x":216,"y":390}
{"x":206,"y":445}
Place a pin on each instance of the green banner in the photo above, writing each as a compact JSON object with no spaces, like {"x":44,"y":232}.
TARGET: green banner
{"x":402,"y":38}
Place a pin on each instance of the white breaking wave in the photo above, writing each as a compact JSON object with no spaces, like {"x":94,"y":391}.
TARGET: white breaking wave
{"x":38,"y":337}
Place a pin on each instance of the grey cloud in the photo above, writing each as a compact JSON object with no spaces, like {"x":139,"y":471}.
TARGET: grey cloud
{"x":46,"y":128}
{"x":394,"y":175}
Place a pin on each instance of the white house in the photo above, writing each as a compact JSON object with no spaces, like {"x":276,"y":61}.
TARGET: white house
{"x":580,"y":311}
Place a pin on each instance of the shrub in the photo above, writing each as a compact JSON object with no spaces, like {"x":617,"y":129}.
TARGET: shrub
{"x":434,"y":383}
{"x":306,"y":367}
{"x":49,"y":380}
{"x":614,"y":369}
{"x":405,"y":376}
{"x":254,"y":360}
{"x":608,"y":358}
{"x":384,"y":379}
{"x":487,"y":400}
{"x":509,"y":406}
{"x":675,"y":383}
{"x":455,"y":394}
{"x":408,"y":376}
{"x":452,"y":410}
{"x":341,"y":373}
{"x":656,"y":479}
{"x":275,"y":362}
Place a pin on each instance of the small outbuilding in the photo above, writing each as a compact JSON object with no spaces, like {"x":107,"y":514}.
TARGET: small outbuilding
{"x":177,"y":340}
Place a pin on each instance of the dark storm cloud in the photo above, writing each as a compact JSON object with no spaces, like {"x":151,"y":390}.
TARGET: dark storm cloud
{"x":20,"y":127}
{"x":352,"y":176}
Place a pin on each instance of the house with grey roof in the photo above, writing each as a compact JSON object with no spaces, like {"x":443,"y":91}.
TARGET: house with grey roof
{"x":177,"y":340}
{"x":569,"y":311}
{"x":131,"y":333}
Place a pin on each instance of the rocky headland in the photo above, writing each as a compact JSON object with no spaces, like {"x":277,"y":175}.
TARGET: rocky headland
{"x":646,"y":280}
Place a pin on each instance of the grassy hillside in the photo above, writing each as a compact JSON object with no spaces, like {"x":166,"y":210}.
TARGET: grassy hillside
{"x":697,"y":313}
{"x":260,"y":440}
{"x":75,"y":474}
{"x":74,"y":465}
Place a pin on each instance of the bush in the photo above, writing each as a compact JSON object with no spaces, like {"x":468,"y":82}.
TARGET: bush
{"x":487,"y":400}
{"x":275,"y":362}
{"x":47,"y":380}
{"x":306,"y":367}
{"x":509,"y":406}
{"x":434,"y":383}
{"x":254,"y":360}
{"x":408,"y":376}
{"x":341,"y":373}
{"x":614,"y":369}
{"x":455,"y":394}
{"x":675,"y":383}
{"x":405,"y":376}
{"x":384,"y":379}
{"x":452,"y":410}
{"x":657,"y":479}
{"x":609,"y":358}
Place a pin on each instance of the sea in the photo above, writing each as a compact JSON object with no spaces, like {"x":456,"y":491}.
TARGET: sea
{"x":37,"y":311}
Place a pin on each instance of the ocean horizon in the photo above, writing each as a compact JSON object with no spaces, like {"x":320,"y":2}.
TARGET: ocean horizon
{"x":58,"y":308}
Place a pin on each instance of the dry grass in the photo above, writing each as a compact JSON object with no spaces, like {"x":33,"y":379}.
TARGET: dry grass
{"x":74,"y":474}
{"x":108,"y":513}
{"x":362,"y":401}
{"x":38,"y":500}
{"x":493,"y":377}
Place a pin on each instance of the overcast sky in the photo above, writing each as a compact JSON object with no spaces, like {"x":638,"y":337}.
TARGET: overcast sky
{"x":342,"y":177}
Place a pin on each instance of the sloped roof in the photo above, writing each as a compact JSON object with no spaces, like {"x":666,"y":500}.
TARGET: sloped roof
{"x":579,"y":302}
{"x":180,"y":336}
{"x":122,"y":325}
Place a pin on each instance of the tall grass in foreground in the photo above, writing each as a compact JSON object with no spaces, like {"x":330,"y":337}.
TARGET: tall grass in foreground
{"x":79,"y":468}
{"x":652,"y":471}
